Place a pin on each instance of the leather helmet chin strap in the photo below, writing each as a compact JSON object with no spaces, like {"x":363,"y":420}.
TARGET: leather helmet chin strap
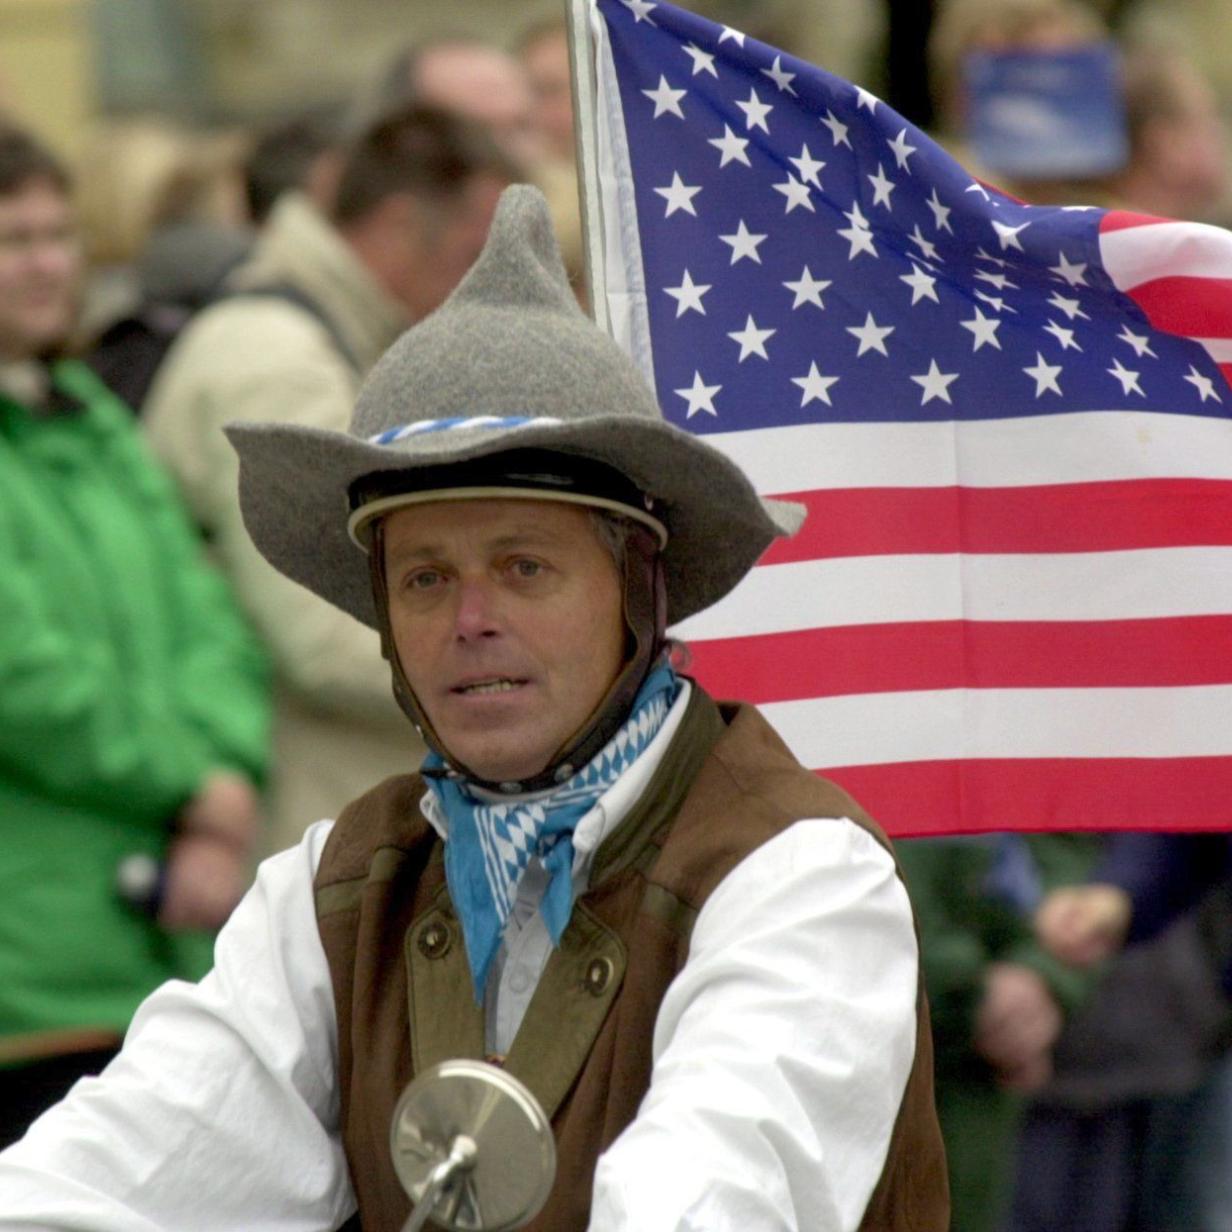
{"x":645,"y":618}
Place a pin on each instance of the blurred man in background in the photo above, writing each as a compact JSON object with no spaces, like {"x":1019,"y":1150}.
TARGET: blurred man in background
{"x":467,"y":77}
{"x":133,"y":708}
{"x":1178,"y":155}
{"x":543,"y":49}
{"x":310,"y":312}
{"x":544,"y":52}
{"x":523,"y":101}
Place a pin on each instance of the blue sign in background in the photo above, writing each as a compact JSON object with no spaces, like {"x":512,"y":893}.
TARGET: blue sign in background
{"x":1047,"y":114}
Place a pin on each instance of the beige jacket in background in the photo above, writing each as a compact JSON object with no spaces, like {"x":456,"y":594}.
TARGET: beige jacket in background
{"x":337,"y":729}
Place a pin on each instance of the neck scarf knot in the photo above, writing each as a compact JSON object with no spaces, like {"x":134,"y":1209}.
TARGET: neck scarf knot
{"x":491,"y":841}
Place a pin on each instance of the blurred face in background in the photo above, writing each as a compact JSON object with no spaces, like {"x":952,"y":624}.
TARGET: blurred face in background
{"x":546,"y":59}
{"x":40,"y":268}
{"x":483,"y":84}
{"x":1185,"y":150}
{"x":426,"y":247}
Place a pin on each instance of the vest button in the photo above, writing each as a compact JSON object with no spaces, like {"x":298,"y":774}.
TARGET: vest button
{"x":598,"y":976}
{"x":434,"y":940}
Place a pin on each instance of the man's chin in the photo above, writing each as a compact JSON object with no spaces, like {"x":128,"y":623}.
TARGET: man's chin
{"x":500,"y":765}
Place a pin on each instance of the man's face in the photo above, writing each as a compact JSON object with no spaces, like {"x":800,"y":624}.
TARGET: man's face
{"x":40,"y":262}
{"x":486,"y":85}
{"x":507,"y":619}
{"x":433,"y":246}
{"x":547,"y":66}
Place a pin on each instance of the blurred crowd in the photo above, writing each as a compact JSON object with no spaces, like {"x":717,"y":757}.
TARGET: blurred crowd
{"x":171,"y":709}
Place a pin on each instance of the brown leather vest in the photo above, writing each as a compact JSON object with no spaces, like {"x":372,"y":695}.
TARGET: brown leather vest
{"x":403,"y":992}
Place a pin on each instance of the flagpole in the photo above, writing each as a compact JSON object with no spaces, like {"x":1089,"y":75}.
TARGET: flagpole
{"x":585,"y":130}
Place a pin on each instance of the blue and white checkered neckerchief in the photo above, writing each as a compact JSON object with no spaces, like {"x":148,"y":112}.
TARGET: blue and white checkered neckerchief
{"x":491,"y":841}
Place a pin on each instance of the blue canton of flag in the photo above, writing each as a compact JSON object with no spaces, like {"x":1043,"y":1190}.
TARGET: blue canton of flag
{"x":809,"y":255}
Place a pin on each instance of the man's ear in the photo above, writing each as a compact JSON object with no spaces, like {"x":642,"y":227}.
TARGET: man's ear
{"x":380,"y":588}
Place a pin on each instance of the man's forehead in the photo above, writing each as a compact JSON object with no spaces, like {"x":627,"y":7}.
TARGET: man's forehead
{"x":449,"y":72}
{"x":435,"y":525}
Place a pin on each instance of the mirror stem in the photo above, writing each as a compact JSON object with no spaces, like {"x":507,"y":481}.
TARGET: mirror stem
{"x":461,"y":1159}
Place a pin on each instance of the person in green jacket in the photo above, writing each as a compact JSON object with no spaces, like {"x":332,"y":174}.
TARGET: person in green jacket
{"x":133,"y":698}
{"x":998,"y":1000}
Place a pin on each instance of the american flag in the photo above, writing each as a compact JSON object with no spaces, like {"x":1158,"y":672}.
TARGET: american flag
{"x":1011,"y":604}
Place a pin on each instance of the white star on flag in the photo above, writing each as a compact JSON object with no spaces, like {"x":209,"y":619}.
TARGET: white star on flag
{"x":730,"y":32}
{"x":688,"y":295}
{"x":752,"y":340}
{"x":780,"y":76}
{"x":665,"y":98}
{"x":641,"y":9}
{"x":807,"y":289}
{"x":984,"y":330}
{"x":902,"y":151}
{"x":927,"y":248}
{"x":838,"y":130}
{"x":1202,"y":384}
{"x":1009,"y":235}
{"x":731,"y":147}
{"x":994,"y":301}
{"x":808,"y":166}
{"x":1070,"y":307}
{"x":858,"y":235}
{"x":941,"y":213}
{"x":743,"y":243}
{"x":1044,"y":375}
{"x":1072,"y":272}
{"x":1064,"y":336}
{"x":871,"y":335}
{"x":814,"y":385}
{"x":699,"y":396}
{"x":1140,"y":342}
{"x":797,"y":193}
{"x":678,"y":196}
{"x":703,"y":61}
{"x":755,"y":112}
{"x":923,"y":286}
{"x":1128,"y":379}
{"x":1000,"y":281}
{"x":867,"y":99}
{"x":935,"y":383}
{"x":883,"y":186}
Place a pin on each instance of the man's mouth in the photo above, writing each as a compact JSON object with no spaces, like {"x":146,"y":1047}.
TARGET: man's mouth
{"x":499,"y":684}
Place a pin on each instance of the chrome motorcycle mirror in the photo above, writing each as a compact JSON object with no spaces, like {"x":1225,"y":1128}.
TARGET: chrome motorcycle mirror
{"x":472,"y":1148}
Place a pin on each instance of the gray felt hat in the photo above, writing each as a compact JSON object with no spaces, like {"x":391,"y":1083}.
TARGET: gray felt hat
{"x":508,"y":362}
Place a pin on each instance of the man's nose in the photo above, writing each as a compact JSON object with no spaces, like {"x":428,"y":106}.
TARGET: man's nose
{"x":477,"y":614}
{"x":54,"y":256}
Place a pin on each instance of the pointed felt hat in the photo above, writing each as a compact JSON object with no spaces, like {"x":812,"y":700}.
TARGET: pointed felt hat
{"x":508,"y":362}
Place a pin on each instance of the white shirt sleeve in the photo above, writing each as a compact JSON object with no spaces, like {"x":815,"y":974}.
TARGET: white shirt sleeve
{"x":781,"y":1050}
{"x":222,"y":1110}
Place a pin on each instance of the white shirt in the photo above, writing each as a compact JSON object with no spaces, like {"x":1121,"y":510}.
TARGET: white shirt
{"x":781,"y":1052}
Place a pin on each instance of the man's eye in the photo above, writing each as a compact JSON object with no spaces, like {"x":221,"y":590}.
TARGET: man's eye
{"x":527,"y":568}
{"x":424,"y":579}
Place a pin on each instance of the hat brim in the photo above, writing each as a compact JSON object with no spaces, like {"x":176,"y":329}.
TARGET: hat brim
{"x":294,"y":483}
